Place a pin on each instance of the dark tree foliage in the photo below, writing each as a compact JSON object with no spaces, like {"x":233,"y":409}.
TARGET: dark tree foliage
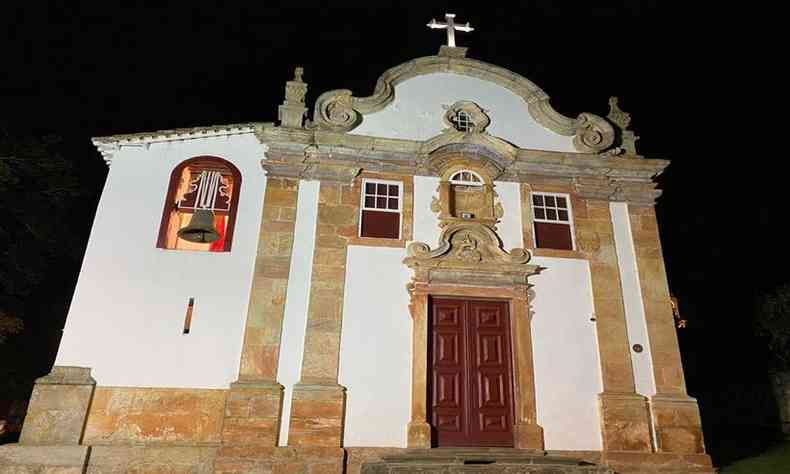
{"x":38,"y":193}
{"x":773,"y":325}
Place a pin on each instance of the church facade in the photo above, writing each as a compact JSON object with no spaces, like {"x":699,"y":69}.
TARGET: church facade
{"x":447,"y":263}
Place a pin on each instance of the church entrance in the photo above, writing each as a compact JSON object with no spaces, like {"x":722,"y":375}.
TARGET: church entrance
{"x":470,"y":383}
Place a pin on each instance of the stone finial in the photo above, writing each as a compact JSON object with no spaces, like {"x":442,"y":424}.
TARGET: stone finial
{"x":617,"y":116}
{"x":292,"y":111}
{"x":622,"y":120}
{"x":296,"y":89}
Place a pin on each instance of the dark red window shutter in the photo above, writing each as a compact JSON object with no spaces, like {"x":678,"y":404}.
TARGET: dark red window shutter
{"x":553,"y":236}
{"x":380,"y":224}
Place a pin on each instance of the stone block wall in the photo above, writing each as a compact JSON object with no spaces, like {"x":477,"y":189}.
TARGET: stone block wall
{"x":124,"y":415}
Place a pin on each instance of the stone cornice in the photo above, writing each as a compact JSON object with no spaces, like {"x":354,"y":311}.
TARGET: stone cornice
{"x":310,"y":154}
{"x":108,"y":145}
{"x":339,"y":111}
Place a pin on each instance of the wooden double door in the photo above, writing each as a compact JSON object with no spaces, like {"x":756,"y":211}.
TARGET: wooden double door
{"x":470,"y":382}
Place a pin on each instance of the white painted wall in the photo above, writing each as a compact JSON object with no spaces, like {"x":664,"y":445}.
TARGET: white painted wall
{"x":426,"y":226}
{"x":297,"y":298}
{"x":416,"y":113}
{"x":127,"y":314}
{"x":565,"y":348}
{"x":509,"y":227}
{"x":375,"y":347}
{"x":636,"y":324}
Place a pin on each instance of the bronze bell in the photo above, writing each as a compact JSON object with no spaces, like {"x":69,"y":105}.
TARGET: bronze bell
{"x":200,"y":228}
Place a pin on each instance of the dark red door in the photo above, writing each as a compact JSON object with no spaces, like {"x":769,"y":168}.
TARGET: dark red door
{"x":470,"y":383}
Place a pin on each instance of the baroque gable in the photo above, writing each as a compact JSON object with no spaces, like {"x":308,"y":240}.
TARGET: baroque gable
{"x":340,"y":111}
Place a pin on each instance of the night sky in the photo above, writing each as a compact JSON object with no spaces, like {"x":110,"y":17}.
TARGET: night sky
{"x":98,"y":70}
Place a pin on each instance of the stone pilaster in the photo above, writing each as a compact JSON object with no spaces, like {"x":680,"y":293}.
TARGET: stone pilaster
{"x":253,"y":407}
{"x":625,"y":420}
{"x":676,"y":416}
{"x":318,"y":406}
{"x":419,"y":431}
{"x":528,"y":433}
{"x":58,"y":408}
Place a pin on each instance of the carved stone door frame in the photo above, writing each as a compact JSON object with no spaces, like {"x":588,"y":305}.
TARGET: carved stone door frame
{"x":470,"y":263}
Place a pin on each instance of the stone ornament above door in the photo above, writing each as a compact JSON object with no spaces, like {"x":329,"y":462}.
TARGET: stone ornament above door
{"x":469,"y":253}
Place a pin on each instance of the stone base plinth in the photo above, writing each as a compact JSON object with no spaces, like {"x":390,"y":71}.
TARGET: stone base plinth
{"x":58,"y":407}
{"x":16,"y":458}
{"x":239,"y":460}
{"x":317,"y":414}
{"x":625,"y":422}
{"x":489,"y":460}
{"x":528,"y":436}
{"x":112,"y":459}
{"x":175,"y":459}
{"x":252,"y":414}
{"x":419,"y":435}
{"x":677,"y":424}
{"x":641,"y":463}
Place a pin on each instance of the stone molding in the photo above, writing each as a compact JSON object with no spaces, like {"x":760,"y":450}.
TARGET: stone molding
{"x":325,"y":155}
{"x":108,"y":145}
{"x":67,"y":375}
{"x":339,"y":110}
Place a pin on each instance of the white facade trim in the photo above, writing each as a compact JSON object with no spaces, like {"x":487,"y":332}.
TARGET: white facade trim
{"x":297,"y":298}
{"x":636,"y":324}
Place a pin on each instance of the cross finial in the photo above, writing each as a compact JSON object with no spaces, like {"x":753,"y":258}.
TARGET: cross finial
{"x":450,"y":26}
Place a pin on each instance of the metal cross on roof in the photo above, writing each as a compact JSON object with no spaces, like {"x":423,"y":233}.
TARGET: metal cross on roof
{"x":450,"y":26}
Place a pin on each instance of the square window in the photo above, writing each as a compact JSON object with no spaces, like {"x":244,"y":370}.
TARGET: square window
{"x":552,"y":221}
{"x":381,"y":215}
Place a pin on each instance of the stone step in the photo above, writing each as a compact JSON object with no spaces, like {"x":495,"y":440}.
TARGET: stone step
{"x":478,"y":460}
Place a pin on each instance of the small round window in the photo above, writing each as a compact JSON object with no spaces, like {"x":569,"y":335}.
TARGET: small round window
{"x":463,"y":121}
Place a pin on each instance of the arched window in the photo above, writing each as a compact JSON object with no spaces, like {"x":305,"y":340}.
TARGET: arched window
{"x":200,"y":207}
{"x":466,"y":177}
